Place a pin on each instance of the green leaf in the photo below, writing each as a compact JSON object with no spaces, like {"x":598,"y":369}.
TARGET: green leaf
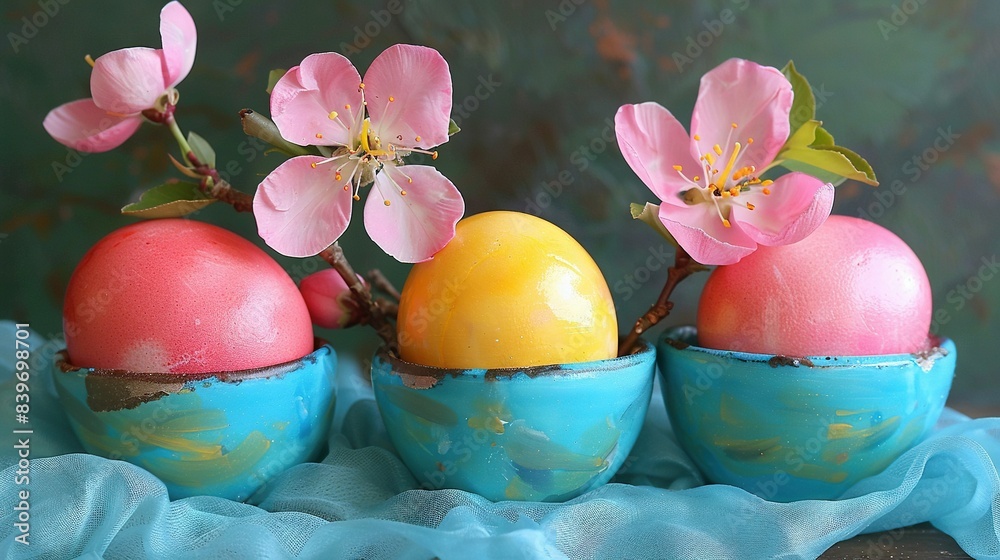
{"x":650,"y":214}
{"x":804,"y":137}
{"x":169,"y":200}
{"x":453,"y":127}
{"x":202,"y":149}
{"x":803,"y":102}
{"x":828,"y":163}
{"x":189,"y":171}
{"x":823,"y":138}
{"x":272,"y":78}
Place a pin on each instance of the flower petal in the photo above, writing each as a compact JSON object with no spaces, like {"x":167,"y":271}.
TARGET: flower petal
{"x":128,"y":81}
{"x":757,"y":98}
{"x":797,"y":205}
{"x":701,"y":233}
{"x":307,"y":95}
{"x":652,"y":141}
{"x":415,"y":226}
{"x":83,"y":126}
{"x":299,"y":209}
{"x":180,"y":38}
{"x":419,"y":82}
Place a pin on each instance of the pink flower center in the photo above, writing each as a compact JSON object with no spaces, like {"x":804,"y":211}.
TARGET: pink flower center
{"x":723,"y":187}
{"x":367,"y":154}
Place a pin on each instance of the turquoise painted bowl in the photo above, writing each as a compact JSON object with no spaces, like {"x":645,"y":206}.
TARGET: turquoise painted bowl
{"x":798,"y":428}
{"x":219,"y":434}
{"x":546,"y":433}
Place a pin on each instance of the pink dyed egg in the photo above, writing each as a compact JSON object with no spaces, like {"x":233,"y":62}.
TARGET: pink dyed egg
{"x":852,"y":288}
{"x":182,"y":296}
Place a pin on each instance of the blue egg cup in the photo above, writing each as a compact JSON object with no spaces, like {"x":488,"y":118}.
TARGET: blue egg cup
{"x":791,"y":429}
{"x":219,"y":434}
{"x":546,"y":433}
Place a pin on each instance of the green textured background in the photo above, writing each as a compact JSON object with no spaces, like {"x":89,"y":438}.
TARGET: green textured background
{"x":891,"y":76}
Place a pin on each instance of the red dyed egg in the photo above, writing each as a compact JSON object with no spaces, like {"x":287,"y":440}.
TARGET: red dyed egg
{"x":852,"y":288}
{"x":182,"y":296}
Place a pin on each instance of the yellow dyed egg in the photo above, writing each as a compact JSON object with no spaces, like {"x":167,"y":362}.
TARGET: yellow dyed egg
{"x":510,"y":290}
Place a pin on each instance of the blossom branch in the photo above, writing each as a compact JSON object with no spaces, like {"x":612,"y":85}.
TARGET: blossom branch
{"x":377,"y":279}
{"x":211,"y":183}
{"x":683,"y":267}
{"x":374,"y":314}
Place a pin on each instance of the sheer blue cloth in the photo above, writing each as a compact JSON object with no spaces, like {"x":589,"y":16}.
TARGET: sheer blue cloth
{"x":361,"y":502}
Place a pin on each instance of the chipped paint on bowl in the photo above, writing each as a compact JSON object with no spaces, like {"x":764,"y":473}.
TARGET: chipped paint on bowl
{"x":221,"y":434}
{"x":798,"y":428}
{"x":543,"y":433}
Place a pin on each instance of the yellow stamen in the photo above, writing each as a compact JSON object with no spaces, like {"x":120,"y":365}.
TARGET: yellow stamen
{"x":333,"y":115}
{"x":313,"y":165}
{"x":409,"y":179}
{"x":697,"y":138}
{"x":749,"y":141}
{"x":403,"y":193}
{"x":750,"y":206}
{"x":678,"y":168}
{"x":766,"y":190}
{"x":319,"y":135}
{"x":89,"y":60}
{"x":387,"y":203}
{"x":717,"y":149}
{"x":391,"y":99}
{"x":361,"y":86}
{"x":735,"y":191}
{"x":726,"y":223}
{"x":347,"y":107}
{"x":417,"y":139}
{"x":356,"y":197}
{"x":709,"y":158}
{"x":696,"y":178}
{"x":766,"y":182}
{"x":347,"y":188}
{"x":734,"y":125}
{"x":726,"y":194}
{"x":732,"y":159}
{"x":337,"y":177}
{"x":434,"y":155}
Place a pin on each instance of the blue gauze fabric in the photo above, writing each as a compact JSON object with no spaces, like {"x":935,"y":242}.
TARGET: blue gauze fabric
{"x":361,"y":502}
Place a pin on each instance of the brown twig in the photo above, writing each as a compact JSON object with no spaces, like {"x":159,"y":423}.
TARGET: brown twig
{"x":683,"y":267}
{"x":373,"y":314}
{"x":377,"y":279}
{"x":214,"y":186}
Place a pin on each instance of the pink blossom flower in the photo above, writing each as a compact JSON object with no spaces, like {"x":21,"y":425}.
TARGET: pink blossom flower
{"x":714,"y":203}
{"x":124,"y":83}
{"x":366,"y":128}
{"x":329,"y":300}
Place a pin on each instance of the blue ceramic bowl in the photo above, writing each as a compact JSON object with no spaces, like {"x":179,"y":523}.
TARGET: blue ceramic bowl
{"x":219,"y":434}
{"x":546,"y":433}
{"x":798,"y":428}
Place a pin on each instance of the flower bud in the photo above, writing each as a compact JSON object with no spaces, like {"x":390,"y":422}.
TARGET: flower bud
{"x":329,"y":300}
